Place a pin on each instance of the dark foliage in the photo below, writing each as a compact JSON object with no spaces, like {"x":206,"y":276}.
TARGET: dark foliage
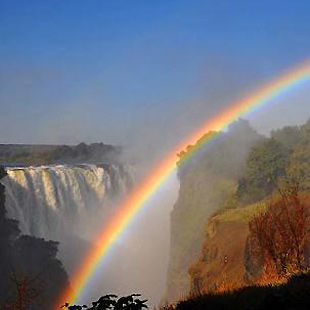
{"x":30,"y":273}
{"x":131,"y":302}
{"x":292,"y":295}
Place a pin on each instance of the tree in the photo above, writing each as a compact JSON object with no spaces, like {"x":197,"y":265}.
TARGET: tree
{"x":266,"y":163}
{"x":279,"y":234}
{"x":289,"y":136}
{"x":305,"y":131}
{"x":299,"y":167}
{"x":26,"y":293}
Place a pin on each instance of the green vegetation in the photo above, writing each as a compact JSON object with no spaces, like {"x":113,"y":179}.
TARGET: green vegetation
{"x":190,"y":149}
{"x":265,"y":164}
{"x":54,"y":154}
{"x":289,"y":136}
{"x":283,"y":158}
{"x":298,"y":169}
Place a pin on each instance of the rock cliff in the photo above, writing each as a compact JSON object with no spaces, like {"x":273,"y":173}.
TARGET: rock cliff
{"x":205,"y":180}
{"x":225,"y":260}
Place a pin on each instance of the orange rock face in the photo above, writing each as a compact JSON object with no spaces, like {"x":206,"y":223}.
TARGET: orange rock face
{"x":225,"y":261}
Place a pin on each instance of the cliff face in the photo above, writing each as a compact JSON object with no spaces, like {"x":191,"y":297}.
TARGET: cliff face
{"x":205,"y":181}
{"x":225,"y":260}
{"x":197,"y":200}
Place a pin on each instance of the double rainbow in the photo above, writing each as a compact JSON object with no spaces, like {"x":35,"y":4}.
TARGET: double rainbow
{"x":137,"y":198}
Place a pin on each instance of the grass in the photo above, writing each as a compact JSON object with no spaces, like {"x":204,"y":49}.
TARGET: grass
{"x":235,"y":214}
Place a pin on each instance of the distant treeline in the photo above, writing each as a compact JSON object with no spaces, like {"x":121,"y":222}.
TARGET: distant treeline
{"x":26,"y":154}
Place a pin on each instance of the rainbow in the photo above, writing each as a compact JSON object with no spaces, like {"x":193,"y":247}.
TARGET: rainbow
{"x":138,"y":197}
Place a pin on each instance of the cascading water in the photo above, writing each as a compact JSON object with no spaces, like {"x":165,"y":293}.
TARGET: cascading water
{"x":69,"y":203}
{"x":64,"y":203}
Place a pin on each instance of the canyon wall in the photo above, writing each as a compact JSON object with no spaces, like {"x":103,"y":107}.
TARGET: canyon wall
{"x":206,"y":180}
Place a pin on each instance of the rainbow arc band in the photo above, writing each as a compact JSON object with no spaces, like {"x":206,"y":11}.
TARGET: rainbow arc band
{"x":138,"y":197}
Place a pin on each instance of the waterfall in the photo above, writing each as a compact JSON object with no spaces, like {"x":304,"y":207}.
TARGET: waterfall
{"x":54,"y":201}
{"x":69,"y":203}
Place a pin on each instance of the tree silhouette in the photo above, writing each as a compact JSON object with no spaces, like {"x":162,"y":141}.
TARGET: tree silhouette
{"x":130,"y":302}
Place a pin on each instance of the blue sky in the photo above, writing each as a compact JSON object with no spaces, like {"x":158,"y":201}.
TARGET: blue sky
{"x":112,"y":70}
{"x":144,"y":74}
